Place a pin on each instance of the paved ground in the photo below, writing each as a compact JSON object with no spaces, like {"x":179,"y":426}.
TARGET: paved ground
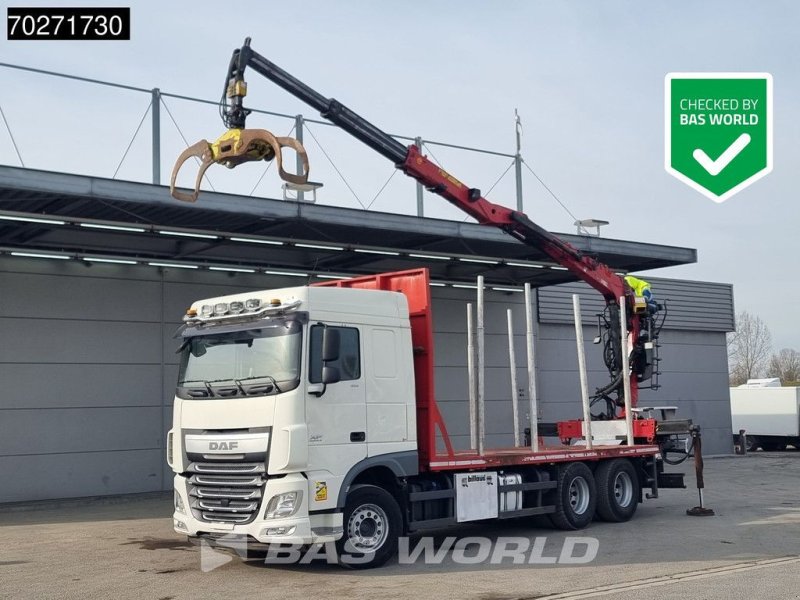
{"x":750,"y":549}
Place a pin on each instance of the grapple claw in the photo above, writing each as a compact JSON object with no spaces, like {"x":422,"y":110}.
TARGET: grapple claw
{"x":201,"y":150}
{"x":235,"y":147}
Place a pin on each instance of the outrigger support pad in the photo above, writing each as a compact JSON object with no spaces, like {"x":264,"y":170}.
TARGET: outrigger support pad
{"x":701,"y":510}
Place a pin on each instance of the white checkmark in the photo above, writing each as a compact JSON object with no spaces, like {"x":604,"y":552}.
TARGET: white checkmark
{"x":714,"y":167}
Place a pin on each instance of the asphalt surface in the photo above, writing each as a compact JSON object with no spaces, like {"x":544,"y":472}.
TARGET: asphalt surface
{"x":749,"y":549}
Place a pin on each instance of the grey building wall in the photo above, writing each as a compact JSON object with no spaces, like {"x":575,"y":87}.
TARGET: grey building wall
{"x":87,"y":370}
{"x":87,"y":373}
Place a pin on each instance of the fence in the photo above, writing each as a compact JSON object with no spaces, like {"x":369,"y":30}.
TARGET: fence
{"x":83,"y":135}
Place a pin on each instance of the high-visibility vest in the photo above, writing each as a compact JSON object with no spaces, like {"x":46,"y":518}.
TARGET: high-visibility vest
{"x":639,"y":286}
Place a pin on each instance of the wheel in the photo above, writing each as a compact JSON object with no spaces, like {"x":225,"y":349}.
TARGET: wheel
{"x":372,"y":524}
{"x":617,"y":490}
{"x":772,"y":445}
{"x":575,"y":497}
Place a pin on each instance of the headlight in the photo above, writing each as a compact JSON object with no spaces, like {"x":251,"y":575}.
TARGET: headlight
{"x":179,"y":504}
{"x":284,"y":505}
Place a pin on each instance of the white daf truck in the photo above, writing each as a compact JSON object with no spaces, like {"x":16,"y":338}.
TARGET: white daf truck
{"x":308,"y":415}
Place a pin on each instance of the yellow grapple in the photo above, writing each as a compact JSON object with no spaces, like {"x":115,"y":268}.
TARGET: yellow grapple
{"x":237,"y":146}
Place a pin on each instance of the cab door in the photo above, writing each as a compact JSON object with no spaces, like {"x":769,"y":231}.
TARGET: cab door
{"x":336,"y":416}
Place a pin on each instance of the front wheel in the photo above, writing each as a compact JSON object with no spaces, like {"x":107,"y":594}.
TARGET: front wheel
{"x":372,"y":524}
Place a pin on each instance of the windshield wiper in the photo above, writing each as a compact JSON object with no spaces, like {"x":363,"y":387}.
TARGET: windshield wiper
{"x":270,"y":377}
{"x":206,"y":382}
{"x":238,"y":382}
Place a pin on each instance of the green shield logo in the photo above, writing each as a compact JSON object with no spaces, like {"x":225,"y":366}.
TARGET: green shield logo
{"x":718,"y":130}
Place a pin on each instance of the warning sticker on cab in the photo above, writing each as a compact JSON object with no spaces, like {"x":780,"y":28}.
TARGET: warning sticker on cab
{"x":320,"y":491}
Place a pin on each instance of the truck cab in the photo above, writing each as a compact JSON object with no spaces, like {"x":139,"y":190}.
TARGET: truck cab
{"x":283,"y":398}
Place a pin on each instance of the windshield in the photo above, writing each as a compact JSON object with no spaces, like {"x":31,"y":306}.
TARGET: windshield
{"x":258,"y":361}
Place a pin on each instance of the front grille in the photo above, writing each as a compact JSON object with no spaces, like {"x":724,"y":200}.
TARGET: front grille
{"x":226,"y":492}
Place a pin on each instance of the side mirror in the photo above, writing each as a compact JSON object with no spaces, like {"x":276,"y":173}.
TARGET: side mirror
{"x":330,"y":345}
{"x":330,"y":375}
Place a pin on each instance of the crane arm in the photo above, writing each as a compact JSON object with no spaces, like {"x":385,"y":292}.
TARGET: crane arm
{"x":239,"y":144}
{"x":419,"y":167}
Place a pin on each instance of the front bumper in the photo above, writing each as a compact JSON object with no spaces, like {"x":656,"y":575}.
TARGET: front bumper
{"x":300,"y":528}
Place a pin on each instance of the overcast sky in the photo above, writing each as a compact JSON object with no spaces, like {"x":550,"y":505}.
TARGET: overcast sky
{"x":587,"y":78}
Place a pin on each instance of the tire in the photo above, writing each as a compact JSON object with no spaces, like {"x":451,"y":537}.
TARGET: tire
{"x":617,"y":490}
{"x":372,"y":524}
{"x":772,"y":445}
{"x":575,"y":497}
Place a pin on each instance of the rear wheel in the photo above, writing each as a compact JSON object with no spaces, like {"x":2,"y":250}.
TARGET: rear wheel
{"x":772,"y":445}
{"x":617,"y":490}
{"x":372,"y":524}
{"x":576,"y":497}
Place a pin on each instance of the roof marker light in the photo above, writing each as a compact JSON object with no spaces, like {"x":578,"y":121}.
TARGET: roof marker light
{"x":32,"y":220}
{"x":113,"y":227}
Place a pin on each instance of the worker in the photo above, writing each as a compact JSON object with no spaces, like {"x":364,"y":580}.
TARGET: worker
{"x":641,"y":288}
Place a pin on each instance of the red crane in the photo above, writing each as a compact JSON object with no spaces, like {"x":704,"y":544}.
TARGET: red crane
{"x":239,"y":145}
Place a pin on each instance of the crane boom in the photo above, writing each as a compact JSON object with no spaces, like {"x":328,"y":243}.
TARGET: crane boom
{"x":239,"y":145}
{"x":434,"y":178}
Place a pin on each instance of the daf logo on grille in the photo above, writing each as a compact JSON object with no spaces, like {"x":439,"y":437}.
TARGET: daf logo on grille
{"x":223,"y":445}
